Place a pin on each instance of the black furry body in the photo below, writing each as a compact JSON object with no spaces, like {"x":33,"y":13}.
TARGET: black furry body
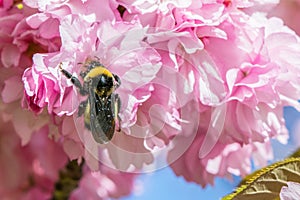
{"x":102,"y":106}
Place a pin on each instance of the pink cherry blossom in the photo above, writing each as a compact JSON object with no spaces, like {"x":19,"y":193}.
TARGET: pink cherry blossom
{"x":71,"y":141}
{"x":58,"y":9}
{"x":246,"y":86}
{"x":291,"y":191}
{"x":43,"y":89}
{"x":46,"y":86}
{"x":288,"y":12}
{"x":223,"y":159}
{"x":249,"y":85}
{"x":199,"y":18}
{"x":229,"y":86}
{"x":203,"y":83}
{"x":28,"y":171}
{"x":18,"y":43}
{"x":103,"y":184}
{"x":24,"y":122}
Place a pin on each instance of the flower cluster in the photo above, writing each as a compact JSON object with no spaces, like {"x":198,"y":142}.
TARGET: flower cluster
{"x":203,"y":83}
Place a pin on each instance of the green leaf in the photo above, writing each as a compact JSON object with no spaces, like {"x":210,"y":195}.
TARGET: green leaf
{"x":266,"y":183}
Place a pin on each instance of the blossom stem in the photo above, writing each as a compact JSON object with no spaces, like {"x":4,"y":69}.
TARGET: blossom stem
{"x":69,"y":178}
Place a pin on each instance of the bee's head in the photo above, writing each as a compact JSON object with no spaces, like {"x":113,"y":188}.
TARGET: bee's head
{"x":104,"y":85}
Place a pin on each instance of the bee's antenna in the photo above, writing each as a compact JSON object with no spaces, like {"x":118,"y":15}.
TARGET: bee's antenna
{"x":65,"y":72}
{"x":97,"y":58}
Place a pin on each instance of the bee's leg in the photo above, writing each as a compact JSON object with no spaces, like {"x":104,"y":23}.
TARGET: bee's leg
{"x":117,"y":106}
{"x":74,"y":80}
{"x":83,"y":74}
{"x":82,"y":107}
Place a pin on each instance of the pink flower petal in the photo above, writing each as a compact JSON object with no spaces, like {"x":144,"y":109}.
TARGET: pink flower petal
{"x":10,"y":56}
{"x":12,"y":89}
{"x":290,"y":192}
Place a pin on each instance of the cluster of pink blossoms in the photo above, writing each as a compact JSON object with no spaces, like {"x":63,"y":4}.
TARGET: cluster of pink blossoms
{"x":203,"y":83}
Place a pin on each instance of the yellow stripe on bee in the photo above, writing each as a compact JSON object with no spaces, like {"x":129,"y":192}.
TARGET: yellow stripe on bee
{"x":96,"y":72}
{"x":87,"y":118}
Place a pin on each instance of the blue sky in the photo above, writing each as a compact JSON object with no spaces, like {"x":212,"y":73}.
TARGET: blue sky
{"x":164,"y":184}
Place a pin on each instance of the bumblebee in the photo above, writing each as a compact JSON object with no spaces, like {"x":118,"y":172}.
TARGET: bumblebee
{"x":101,"y":108}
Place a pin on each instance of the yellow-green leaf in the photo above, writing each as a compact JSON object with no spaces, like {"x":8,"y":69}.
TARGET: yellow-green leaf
{"x":266,"y":183}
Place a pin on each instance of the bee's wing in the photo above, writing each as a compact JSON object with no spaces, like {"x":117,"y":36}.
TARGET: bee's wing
{"x":116,"y":102}
{"x":102,"y":123}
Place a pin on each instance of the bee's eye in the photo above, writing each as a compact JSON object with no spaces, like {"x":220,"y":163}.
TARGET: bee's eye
{"x":118,"y":80}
